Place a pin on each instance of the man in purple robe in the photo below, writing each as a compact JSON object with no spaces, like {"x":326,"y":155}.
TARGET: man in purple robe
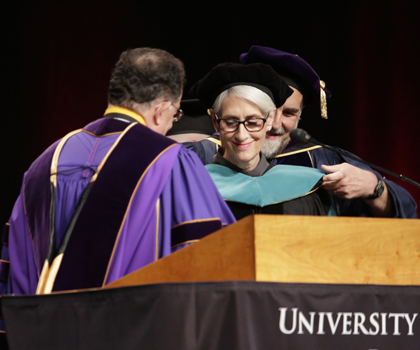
{"x":96,"y":206}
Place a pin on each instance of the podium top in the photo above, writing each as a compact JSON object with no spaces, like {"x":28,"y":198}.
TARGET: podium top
{"x":296,"y":249}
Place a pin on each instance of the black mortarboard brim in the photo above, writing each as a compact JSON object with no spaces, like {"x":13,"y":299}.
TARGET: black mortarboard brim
{"x":195,"y":119}
{"x":295,"y":71}
{"x":226,"y":75}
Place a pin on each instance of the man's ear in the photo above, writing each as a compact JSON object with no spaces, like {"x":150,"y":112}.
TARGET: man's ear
{"x":158,"y":110}
{"x":213,"y":119}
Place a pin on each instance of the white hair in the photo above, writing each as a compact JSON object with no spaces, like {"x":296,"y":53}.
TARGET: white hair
{"x":248,"y":93}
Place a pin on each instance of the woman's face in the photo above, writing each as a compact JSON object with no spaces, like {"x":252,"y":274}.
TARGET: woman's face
{"x":242,"y":147}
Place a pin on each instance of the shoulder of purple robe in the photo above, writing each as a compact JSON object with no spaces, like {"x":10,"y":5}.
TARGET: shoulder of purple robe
{"x":199,"y":209}
{"x":175,"y":204}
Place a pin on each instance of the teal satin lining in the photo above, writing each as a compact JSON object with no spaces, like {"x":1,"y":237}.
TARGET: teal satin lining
{"x":281,"y":183}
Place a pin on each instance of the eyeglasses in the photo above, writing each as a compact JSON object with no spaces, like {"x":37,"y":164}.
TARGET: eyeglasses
{"x":179,"y":113}
{"x":232,"y":124}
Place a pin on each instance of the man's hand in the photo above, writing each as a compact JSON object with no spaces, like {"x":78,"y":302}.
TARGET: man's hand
{"x":347,"y":181}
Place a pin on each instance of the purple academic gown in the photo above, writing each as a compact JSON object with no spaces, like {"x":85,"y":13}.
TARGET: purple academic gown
{"x":150,"y":197}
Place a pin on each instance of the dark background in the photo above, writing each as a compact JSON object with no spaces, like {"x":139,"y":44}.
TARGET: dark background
{"x":56,"y":59}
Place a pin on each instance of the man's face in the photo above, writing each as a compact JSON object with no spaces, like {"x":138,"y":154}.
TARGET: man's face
{"x":286,"y":119}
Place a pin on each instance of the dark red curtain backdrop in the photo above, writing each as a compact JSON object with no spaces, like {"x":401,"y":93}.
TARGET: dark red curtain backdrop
{"x":386,"y":85}
{"x":57,"y":57}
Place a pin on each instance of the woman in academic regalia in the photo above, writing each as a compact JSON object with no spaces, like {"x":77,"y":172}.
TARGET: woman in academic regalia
{"x":242,"y":100}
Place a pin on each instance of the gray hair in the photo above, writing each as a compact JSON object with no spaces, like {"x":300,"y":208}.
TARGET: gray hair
{"x":143,"y":75}
{"x":248,"y":93}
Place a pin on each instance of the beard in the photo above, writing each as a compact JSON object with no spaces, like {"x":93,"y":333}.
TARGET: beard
{"x":272,"y":148}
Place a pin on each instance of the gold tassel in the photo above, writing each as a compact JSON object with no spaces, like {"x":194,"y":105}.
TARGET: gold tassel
{"x":323,"y":100}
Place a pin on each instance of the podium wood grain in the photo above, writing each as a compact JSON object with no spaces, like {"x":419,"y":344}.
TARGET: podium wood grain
{"x":307,"y":249}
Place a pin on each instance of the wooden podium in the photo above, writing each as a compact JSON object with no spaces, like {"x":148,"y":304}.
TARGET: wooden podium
{"x":307,"y":249}
{"x":336,"y":307}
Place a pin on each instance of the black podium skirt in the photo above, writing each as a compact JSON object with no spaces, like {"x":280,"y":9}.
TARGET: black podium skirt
{"x":218,"y":315}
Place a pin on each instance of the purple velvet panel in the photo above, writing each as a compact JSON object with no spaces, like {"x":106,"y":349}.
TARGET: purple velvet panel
{"x":5,"y":235}
{"x":193,"y":231}
{"x":37,"y":198}
{"x":4,"y":270}
{"x":301,"y":159}
{"x":90,"y":246}
{"x":138,"y":241}
{"x":105,"y":126}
